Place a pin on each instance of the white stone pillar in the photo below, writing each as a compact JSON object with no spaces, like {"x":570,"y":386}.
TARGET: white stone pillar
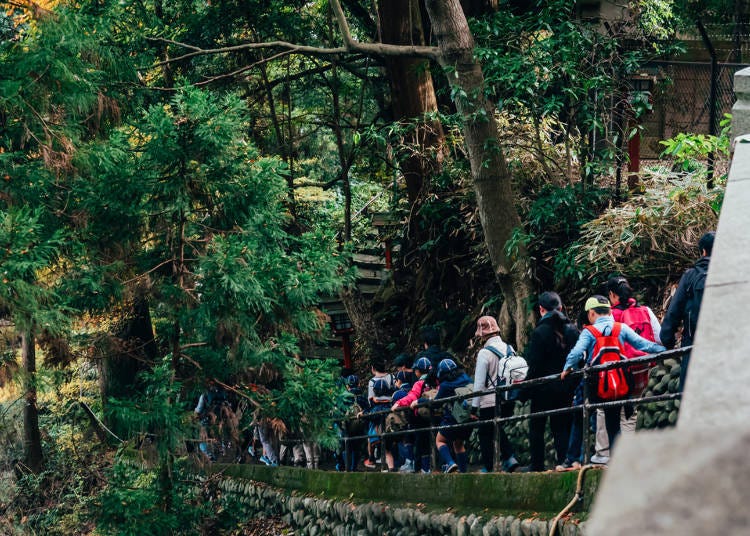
{"x":741,"y":108}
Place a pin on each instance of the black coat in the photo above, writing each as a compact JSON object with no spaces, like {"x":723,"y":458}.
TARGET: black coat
{"x":545,"y":356}
{"x":683,"y":309}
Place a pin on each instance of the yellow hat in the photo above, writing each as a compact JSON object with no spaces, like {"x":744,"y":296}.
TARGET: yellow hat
{"x":596,"y":301}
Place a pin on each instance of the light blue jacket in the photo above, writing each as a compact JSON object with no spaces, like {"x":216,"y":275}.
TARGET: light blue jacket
{"x":586,"y":341}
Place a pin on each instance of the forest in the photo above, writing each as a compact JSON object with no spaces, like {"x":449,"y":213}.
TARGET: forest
{"x":184,"y":182}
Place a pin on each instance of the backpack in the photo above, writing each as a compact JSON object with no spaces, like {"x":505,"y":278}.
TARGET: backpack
{"x":610,"y":384}
{"x":461,"y":409}
{"x":511,"y":368}
{"x":382,"y":386}
{"x":694,"y":298}
{"x":396,"y":421}
{"x":215,"y":401}
{"x":638,"y":319}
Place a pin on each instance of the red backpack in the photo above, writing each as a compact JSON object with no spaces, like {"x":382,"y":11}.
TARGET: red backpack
{"x":610,"y":384}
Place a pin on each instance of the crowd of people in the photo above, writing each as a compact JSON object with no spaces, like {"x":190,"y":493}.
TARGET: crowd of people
{"x":390,"y":417}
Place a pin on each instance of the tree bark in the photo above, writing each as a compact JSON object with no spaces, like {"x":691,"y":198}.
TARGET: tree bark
{"x":32,"y":439}
{"x":491,"y":177}
{"x":412,"y":92}
{"x":132,"y":350}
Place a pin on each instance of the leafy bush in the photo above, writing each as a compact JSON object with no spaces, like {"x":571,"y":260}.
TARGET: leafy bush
{"x":650,"y":238}
{"x":689,"y":150}
{"x":554,"y":219}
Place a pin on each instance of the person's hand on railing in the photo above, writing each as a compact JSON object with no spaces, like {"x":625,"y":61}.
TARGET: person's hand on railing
{"x":565,"y":373}
{"x":473,"y":415}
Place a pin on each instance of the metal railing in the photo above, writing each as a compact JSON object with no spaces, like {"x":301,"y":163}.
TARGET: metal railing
{"x":585,"y":408}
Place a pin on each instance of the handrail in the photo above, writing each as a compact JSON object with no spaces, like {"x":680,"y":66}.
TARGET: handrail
{"x":585,"y":407}
{"x":552,"y":378}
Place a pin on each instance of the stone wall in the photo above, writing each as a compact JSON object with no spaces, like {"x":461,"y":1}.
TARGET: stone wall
{"x":314,"y":516}
{"x":321,"y":502}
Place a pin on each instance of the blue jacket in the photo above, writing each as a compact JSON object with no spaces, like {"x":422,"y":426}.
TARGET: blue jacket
{"x":586,"y":341}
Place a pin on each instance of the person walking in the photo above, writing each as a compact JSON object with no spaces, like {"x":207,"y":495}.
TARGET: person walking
{"x":451,"y":377}
{"x":423,"y":368}
{"x":643,"y":321}
{"x":599,"y":312}
{"x":551,"y":340}
{"x":483,"y":407}
{"x":686,"y":303}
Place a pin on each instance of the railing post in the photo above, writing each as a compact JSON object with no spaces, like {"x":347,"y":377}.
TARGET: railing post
{"x":497,"y":464}
{"x":585,"y":438}
{"x":434,"y":458}
{"x":346,"y":454}
{"x":382,"y":446}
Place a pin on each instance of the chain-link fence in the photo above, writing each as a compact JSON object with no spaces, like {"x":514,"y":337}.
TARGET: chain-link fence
{"x":682,"y":100}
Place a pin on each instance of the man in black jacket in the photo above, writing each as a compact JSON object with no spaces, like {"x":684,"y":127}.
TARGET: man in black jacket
{"x":550,"y":343}
{"x":686,"y":303}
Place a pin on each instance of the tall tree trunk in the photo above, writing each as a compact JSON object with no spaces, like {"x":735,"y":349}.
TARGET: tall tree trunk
{"x":412,"y":92}
{"x":32,"y":439}
{"x":491,"y":177}
{"x":132,"y":350}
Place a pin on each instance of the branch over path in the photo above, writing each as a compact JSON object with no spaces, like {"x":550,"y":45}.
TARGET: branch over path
{"x":350,"y":45}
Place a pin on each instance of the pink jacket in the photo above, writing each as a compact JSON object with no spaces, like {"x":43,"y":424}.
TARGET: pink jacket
{"x":414,"y":394}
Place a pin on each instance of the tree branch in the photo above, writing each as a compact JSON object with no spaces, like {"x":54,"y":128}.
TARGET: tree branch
{"x":350,"y":45}
{"x":291,"y":47}
{"x":379,"y":49}
{"x":242,"y":69}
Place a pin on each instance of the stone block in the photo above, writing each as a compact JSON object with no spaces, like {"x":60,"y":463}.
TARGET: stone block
{"x":691,"y":482}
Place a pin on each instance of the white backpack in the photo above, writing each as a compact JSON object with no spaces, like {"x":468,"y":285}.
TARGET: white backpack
{"x":511,"y":368}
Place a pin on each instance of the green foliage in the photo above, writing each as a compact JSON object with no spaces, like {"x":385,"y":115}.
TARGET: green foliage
{"x":28,"y":248}
{"x":688,"y":149}
{"x":651,"y":237}
{"x":562,"y":75}
{"x":308,"y":398}
{"x":656,"y":18}
{"x":129,"y":506}
{"x":555,"y":217}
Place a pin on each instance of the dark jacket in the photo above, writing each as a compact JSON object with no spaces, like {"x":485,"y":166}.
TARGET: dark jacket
{"x":546,"y":355}
{"x":682,"y":309}
{"x":435,"y":354}
{"x":448,"y":388}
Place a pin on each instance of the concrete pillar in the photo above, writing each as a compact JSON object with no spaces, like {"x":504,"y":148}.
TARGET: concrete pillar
{"x":741,"y":108}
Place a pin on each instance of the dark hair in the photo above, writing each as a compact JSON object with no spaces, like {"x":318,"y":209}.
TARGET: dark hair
{"x":550,"y":301}
{"x":559,"y":324}
{"x":430,"y":336}
{"x":403,"y":360}
{"x":619,"y":286}
{"x":707,"y":242}
{"x":378,"y":364}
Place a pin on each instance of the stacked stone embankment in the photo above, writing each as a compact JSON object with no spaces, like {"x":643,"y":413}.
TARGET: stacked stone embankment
{"x":317,"y":503}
